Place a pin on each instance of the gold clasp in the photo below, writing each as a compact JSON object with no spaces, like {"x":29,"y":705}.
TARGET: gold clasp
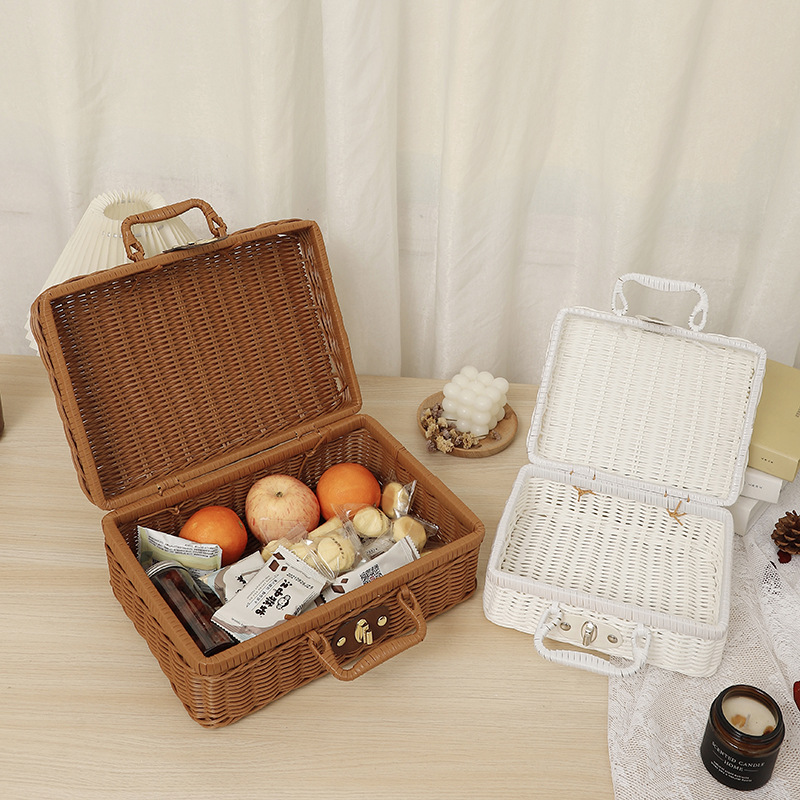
{"x":362,"y":632}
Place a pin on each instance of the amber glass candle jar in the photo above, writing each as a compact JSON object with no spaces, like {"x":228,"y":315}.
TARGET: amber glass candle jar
{"x":177,"y":586}
{"x":743,"y":735}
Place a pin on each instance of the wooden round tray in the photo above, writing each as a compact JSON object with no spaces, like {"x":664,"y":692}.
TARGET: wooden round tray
{"x":506,"y":429}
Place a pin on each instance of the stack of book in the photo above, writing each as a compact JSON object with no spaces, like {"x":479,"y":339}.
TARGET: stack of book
{"x":774,"y":446}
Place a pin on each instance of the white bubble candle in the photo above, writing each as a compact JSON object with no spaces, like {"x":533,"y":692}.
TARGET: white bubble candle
{"x":475,"y":400}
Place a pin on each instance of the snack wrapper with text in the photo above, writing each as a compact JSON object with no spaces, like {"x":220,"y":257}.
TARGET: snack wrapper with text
{"x":153,"y":546}
{"x":283,"y":588}
{"x":400,"y":554}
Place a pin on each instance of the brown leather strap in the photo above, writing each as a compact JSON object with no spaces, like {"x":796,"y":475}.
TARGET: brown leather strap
{"x":134,"y":248}
{"x":322,"y":649}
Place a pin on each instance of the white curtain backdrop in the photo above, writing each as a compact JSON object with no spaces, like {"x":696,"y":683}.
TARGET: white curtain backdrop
{"x":475,"y":165}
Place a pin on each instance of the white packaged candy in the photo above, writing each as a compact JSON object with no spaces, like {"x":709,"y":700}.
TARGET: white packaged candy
{"x":155,"y":546}
{"x":283,"y":588}
{"x":228,"y":581}
{"x":398,"y":555}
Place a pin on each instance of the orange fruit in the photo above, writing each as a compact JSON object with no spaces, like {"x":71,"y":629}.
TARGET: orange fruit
{"x":348,"y":487}
{"x":217,"y":525}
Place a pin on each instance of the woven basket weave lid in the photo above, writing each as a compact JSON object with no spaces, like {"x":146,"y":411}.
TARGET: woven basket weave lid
{"x":659,"y":407}
{"x":188,"y":361}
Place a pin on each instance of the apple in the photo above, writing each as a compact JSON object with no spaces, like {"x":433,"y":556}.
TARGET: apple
{"x":279,"y":506}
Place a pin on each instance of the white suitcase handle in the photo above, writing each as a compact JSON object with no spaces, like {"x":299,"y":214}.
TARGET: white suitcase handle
{"x":619,"y":304}
{"x":588,"y":661}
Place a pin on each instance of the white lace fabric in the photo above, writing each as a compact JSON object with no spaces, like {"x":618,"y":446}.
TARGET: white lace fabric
{"x":657,"y":718}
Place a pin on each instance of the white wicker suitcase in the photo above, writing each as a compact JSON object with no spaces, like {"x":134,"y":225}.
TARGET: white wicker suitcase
{"x":615,"y":537}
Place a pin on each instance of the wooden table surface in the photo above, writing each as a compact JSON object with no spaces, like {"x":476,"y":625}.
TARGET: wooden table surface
{"x":471,"y":712}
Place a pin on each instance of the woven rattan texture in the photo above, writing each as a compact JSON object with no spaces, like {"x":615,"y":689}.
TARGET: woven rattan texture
{"x":232,"y":684}
{"x":223,"y":698}
{"x":663,"y":409}
{"x":669,"y":649}
{"x":197,"y":359}
{"x":183,"y":379}
{"x":617,"y":549}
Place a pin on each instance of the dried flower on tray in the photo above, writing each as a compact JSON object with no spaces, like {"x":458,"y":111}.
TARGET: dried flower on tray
{"x":442,"y":434}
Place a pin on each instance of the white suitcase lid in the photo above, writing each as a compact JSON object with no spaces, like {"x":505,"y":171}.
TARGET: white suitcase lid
{"x":658,"y":407}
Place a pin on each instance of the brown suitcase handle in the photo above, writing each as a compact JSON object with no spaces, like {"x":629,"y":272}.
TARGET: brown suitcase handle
{"x":134,"y":248}
{"x":322,"y":649}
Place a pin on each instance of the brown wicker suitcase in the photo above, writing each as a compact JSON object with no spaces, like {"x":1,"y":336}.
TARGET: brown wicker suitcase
{"x":183,"y":378}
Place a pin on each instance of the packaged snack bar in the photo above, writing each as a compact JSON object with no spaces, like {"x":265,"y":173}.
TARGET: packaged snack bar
{"x":153,"y":546}
{"x":283,"y":588}
{"x":226,"y":582}
{"x":398,"y":555}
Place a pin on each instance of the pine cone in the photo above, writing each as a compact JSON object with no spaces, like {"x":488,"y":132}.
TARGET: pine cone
{"x":787,"y":533}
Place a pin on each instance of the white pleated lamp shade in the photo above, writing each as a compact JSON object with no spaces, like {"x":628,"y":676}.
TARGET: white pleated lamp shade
{"x":97,"y":242}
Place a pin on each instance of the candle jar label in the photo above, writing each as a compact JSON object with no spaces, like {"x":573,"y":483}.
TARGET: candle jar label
{"x":731,"y":753}
{"x":733,"y":769}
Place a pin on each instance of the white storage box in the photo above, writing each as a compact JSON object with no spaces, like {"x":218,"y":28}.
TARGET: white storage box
{"x":615,"y":537}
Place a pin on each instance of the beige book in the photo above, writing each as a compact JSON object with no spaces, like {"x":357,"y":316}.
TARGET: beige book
{"x":775,"y":444}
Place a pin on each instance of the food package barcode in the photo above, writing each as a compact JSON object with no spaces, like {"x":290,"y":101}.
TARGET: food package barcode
{"x":371,"y":573}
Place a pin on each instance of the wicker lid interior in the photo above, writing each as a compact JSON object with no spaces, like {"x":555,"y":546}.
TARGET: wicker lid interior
{"x":660,"y":407}
{"x":190,"y":360}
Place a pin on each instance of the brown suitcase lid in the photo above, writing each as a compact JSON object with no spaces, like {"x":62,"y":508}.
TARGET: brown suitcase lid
{"x":180,"y":364}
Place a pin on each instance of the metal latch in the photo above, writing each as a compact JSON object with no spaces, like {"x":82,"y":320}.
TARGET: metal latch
{"x":576,"y":629}
{"x":589,"y":633}
{"x":362,"y":630}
